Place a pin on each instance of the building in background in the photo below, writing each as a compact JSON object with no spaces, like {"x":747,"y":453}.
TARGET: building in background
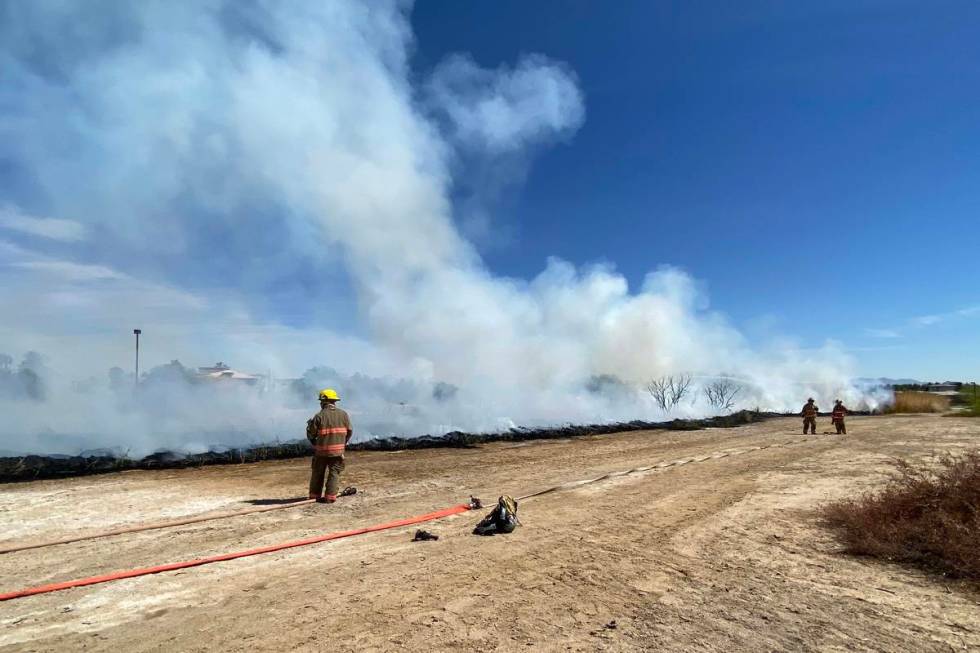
{"x":221,"y":373}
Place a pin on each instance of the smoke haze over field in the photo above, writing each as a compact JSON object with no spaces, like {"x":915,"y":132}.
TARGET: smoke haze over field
{"x":271,"y":183}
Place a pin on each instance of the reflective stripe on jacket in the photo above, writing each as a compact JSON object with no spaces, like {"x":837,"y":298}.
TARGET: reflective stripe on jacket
{"x":330,"y":430}
{"x":810,"y":410}
{"x":331,"y":441}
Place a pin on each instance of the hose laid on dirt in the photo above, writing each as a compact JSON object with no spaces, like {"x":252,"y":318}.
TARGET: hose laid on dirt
{"x":454,"y":510}
{"x":302,"y":502}
{"x":152,"y":526}
{"x":661,"y":465}
{"x":54,"y":587}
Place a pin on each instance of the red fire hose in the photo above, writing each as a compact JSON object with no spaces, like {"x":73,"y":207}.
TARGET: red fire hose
{"x":454,"y":510}
{"x":81,"y":582}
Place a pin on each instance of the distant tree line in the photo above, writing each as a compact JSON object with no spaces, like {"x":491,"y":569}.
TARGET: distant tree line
{"x":924,"y":387}
{"x":25,"y":380}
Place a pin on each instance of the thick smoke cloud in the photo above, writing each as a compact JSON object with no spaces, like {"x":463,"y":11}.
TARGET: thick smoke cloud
{"x":273,"y":181}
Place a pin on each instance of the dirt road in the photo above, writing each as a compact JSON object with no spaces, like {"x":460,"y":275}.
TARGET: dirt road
{"x":715,"y":549}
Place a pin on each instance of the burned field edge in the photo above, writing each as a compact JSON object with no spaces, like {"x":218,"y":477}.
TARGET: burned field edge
{"x":36,"y":467}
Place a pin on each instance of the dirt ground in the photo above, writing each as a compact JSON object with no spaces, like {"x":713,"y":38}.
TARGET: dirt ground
{"x":716,"y":549}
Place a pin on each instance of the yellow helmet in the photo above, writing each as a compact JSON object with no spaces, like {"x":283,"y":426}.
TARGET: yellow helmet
{"x":329,"y":393}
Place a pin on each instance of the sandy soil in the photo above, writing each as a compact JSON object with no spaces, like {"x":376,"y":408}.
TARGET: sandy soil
{"x":719,"y":551}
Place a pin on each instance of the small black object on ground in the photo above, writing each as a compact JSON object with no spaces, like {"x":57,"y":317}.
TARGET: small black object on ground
{"x":348,"y":491}
{"x":422,"y":536}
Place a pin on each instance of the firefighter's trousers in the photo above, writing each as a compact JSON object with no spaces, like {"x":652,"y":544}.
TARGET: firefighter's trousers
{"x":329,"y":466}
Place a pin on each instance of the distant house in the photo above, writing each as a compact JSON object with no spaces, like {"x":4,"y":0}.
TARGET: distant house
{"x":218,"y":367}
{"x":221,"y":373}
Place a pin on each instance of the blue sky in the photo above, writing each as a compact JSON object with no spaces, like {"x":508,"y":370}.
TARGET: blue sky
{"x":814,"y":164}
{"x":448,"y":191}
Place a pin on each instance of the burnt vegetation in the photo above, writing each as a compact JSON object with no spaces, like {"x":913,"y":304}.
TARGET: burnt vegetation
{"x":26,"y":468}
{"x":924,"y":515}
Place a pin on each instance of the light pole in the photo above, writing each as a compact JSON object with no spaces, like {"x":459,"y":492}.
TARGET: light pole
{"x":137,"y":333}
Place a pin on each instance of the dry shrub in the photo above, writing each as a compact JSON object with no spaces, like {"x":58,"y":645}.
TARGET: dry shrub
{"x":918,"y":402}
{"x":929,"y":517}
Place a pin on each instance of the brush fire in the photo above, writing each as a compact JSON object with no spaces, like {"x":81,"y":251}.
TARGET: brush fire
{"x":510,"y":349}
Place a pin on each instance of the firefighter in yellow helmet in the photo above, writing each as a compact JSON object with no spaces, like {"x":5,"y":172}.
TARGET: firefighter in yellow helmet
{"x":329,"y":432}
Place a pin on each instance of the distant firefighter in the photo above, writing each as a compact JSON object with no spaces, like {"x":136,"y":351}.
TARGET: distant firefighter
{"x":329,"y":432}
{"x":837,"y":417}
{"x":809,"y":413}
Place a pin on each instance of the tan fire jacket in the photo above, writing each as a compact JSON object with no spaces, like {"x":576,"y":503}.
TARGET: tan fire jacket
{"x":329,"y":431}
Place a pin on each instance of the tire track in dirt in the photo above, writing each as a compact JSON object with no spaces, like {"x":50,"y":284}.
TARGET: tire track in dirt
{"x":662,"y":465}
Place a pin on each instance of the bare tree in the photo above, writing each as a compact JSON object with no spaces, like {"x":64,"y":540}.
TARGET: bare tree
{"x":667,"y":391}
{"x":722,"y":393}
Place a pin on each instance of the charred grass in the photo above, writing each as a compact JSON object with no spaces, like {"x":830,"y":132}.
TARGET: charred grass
{"x":28,"y":468}
{"x":924,"y":515}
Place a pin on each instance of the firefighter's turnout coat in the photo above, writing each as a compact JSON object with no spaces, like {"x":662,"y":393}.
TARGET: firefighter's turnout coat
{"x":329,"y":431}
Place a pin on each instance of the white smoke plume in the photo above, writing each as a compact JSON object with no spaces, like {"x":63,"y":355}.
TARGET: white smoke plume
{"x":272,"y":180}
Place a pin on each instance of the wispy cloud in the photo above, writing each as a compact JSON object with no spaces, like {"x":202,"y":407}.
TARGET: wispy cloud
{"x":14,"y":219}
{"x":922,"y":322}
{"x":883,"y":333}
{"x":68,"y":271}
{"x":928,"y":320}
{"x":877,"y":348}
